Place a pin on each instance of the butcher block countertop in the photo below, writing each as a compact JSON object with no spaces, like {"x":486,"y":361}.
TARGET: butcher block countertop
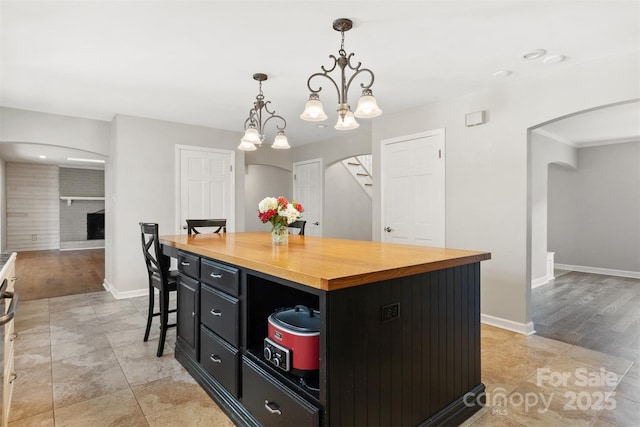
{"x":322,"y":263}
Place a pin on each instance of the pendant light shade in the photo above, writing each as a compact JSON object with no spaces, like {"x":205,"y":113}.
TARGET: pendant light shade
{"x":347,"y":123}
{"x":313,"y":110}
{"x":251,"y":135}
{"x":246,"y":146}
{"x":281,"y":142}
{"x":367,"y":106}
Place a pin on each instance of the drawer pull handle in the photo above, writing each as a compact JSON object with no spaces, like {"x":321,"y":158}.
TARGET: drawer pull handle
{"x":185,"y":263}
{"x":216,"y":312}
{"x":272,"y":408}
{"x":13,"y":377}
{"x":216,"y":275}
{"x":215,"y":358}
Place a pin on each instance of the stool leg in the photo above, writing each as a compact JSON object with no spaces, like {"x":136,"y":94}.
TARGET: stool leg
{"x":150,"y":314}
{"x":164,"y":320}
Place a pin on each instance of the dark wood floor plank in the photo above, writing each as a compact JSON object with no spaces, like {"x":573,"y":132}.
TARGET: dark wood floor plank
{"x":53,"y":273}
{"x":594,"y":311}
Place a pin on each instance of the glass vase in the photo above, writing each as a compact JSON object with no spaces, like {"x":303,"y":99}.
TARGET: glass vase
{"x":280,"y":235}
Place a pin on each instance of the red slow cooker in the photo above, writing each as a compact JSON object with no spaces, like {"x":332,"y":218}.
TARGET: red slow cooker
{"x":293,"y":343}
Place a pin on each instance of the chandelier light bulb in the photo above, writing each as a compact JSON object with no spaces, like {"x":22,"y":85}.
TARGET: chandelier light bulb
{"x":367,"y":106}
{"x":281,"y":142}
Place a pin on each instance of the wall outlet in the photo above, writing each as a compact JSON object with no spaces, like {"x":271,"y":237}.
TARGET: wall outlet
{"x":390,"y":312}
{"x":34,"y":237}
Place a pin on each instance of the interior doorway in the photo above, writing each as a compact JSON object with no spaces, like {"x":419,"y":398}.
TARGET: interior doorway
{"x":413,"y":189}
{"x":585,"y":208}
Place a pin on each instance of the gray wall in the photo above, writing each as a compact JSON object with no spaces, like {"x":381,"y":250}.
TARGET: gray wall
{"x":544,"y":151}
{"x":487,"y":170}
{"x":594,"y":212}
{"x":347,"y":208}
{"x":79,"y":182}
{"x":263,"y":181}
{"x":140,"y":185}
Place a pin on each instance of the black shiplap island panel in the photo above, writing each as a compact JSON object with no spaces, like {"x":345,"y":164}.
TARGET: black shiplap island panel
{"x":403,"y":372}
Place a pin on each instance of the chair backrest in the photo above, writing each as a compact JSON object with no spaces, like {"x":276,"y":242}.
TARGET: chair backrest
{"x":299,"y":224}
{"x":193,"y":223}
{"x":157,"y":263}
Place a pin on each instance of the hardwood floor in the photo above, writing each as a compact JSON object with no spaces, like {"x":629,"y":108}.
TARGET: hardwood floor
{"x":53,"y":273}
{"x":594,"y":311}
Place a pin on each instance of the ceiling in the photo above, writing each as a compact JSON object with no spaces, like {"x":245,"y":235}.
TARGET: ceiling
{"x":193,"y":61}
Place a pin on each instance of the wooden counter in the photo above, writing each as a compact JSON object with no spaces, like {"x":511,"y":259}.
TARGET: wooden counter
{"x":399,"y":334}
{"x":322,"y":263}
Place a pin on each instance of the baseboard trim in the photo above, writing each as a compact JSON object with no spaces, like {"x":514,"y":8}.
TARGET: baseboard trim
{"x":598,"y":270}
{"x":124,"y":295}
{"x":539,"y":282}
{"x":510,"y":325}
{"x":80,"y":249}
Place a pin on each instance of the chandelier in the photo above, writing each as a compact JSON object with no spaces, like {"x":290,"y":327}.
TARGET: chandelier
{"x":367,"y":105}
{"x":254,"y":126}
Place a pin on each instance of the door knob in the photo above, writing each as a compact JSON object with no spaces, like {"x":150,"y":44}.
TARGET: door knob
{"x":184,"y":227}
{"x":316,"y":223}
{"x":388,"y":229}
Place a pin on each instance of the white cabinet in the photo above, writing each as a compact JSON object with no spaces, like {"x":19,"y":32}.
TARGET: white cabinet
{"x":7,"y":317}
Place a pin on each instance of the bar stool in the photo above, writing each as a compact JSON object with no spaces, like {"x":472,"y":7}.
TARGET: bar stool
{"x":300,"y":224}
{"x":204,"y":223}
{"x":159,"y":278}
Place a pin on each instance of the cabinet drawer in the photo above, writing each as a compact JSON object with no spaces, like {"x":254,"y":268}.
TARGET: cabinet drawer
{"x":220,"y":313}
{"x":189,"y":264}
{"x":220,"y":276}
{"x":220,"y":360}
{"x":271,"y":403}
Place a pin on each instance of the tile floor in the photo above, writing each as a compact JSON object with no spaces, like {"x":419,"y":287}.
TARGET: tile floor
{"x":81,"y":362}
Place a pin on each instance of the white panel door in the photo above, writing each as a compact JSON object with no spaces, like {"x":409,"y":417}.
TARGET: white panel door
{"x":413,"y":189}
{"x":307,"y":189}
{"x":206,"y":185}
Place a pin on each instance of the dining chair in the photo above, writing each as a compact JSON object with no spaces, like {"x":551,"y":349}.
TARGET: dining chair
{"x":193,"y":224}
{"x":160,"y":278}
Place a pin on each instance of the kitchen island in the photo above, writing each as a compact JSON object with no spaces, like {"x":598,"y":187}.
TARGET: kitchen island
{"x":399,"y":328}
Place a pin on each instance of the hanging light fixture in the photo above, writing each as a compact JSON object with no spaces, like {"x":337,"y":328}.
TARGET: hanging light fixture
{"x":367,"y":105}
{"x":254,"y":126}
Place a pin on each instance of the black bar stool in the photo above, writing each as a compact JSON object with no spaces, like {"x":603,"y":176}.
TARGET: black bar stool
{"x":204,"y":223}
{"x":300,"y":224}
{"x":159,"y":278}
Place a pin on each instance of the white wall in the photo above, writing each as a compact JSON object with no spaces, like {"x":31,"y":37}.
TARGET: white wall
{"x":594,"y":211}
{"x":348,"y":144}
{"x":544,"y":151}
{"x":264,"y":181}
{"x":140,"y":186}
{"x":52,"y":129}
{"x":347,"y":209}
{"x":487,"y":169}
